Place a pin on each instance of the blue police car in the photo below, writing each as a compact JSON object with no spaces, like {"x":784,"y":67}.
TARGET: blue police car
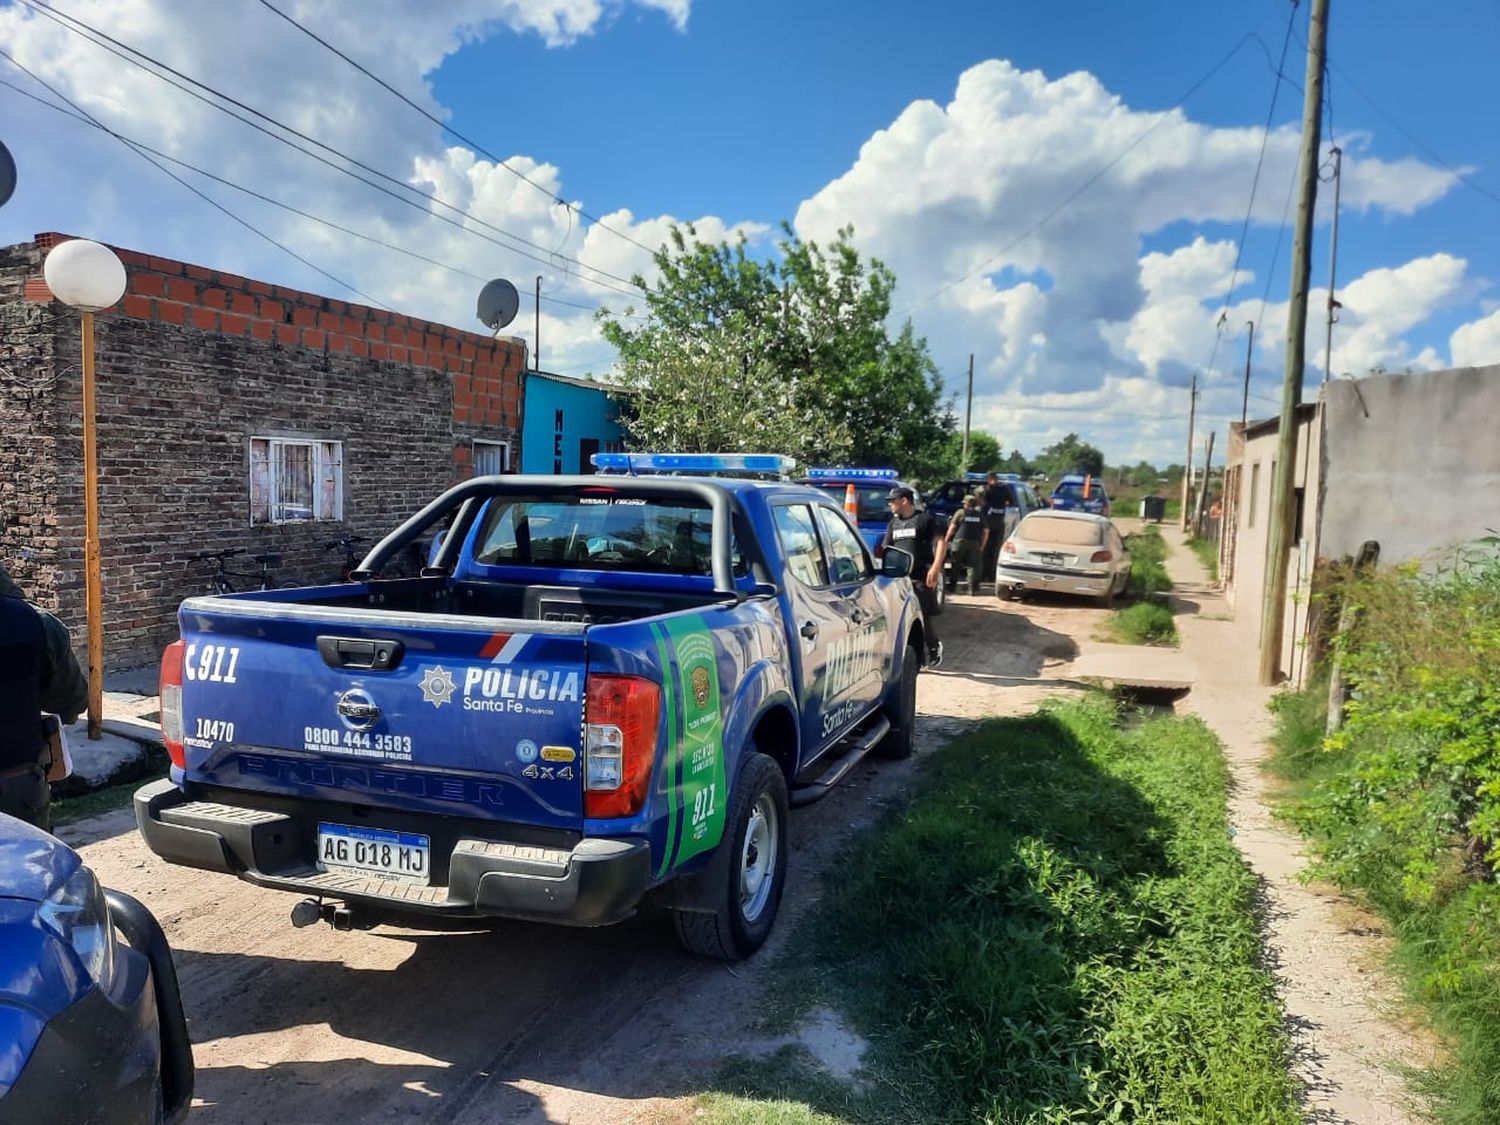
{"x":1078,"y":492}
{"x":91,"y":1028}
{"x":871,"y":487}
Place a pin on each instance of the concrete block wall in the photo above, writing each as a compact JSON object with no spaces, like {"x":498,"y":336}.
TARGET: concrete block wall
{"x":189,"y":366}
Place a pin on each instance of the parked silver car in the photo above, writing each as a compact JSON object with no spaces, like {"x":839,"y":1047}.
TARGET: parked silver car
{"x":1066,"y":553}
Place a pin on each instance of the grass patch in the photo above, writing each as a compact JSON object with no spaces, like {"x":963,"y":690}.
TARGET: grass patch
{"x":1057,"y":929}
{"x":1145,"y":623}
{"x":1148,"y":557}
{"x":1208,"y":554}
{"x":67,"y":810}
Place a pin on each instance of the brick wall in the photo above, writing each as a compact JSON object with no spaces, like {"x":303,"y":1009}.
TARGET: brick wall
{"x":190,"y":365}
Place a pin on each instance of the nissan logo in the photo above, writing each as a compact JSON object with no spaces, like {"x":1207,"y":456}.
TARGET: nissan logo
{"x":358,"y":710}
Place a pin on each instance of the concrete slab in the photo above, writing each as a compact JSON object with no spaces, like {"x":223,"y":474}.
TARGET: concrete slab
{"x":1134,"y":666}
{"x":122,"y":752}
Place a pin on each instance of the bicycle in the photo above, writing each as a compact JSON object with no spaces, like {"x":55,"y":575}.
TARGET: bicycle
{"x":351,"y":557}
{"x":221,"y":582}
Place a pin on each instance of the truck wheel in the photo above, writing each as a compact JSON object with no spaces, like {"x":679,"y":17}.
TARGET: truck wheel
{"x":747,"y":873}
{"x":903,"y":712}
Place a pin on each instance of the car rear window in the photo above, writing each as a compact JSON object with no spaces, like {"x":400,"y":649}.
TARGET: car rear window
{"x":608,"y":532}
{"x":873,"y":507}
{"x":1056,"y":529}
{"x":1075,"y":492}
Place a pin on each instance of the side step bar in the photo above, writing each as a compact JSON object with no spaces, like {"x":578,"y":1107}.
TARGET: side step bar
{"x":806,"y":792}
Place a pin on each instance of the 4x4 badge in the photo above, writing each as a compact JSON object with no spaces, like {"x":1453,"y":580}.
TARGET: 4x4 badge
{"x":438,"y":686}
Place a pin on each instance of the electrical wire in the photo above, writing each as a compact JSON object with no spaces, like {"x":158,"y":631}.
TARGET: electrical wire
{"x":147,"y":63}
{"x":283,"y":205}
{"x":1431,"y":155}
{"x":1068,"y":199}
{"x":215,"y":204}
{"x":445,"y":127}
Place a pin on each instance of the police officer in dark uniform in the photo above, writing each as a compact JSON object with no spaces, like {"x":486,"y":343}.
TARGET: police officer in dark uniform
{"x":919,"y":535}
{"x":996,"y":497}
{"x":38,"y":672}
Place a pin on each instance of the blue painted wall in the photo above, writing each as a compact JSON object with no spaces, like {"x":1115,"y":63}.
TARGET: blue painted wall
{"x":561,"y":415}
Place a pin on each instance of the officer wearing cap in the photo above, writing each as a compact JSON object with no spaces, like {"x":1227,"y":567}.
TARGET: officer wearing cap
{"x":38,"y":673}
{"x":920,"y":536}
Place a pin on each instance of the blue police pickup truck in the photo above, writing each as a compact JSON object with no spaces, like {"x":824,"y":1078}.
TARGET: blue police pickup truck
{"x":602,"y":688}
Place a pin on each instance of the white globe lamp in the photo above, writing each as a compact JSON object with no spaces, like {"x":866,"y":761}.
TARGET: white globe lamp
{"x":84,"y":274}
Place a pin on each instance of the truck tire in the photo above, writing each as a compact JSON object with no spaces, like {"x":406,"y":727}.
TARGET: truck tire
{"x":748,"y":871}
{"x":903,"y":710}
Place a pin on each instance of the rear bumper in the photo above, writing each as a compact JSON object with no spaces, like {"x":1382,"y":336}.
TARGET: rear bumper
{"x":1059,"y":582}
{"x":594,"y":883}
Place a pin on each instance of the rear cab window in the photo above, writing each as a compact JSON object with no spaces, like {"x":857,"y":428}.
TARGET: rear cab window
{"x":798,"y":533}
{"x":660,"y":535}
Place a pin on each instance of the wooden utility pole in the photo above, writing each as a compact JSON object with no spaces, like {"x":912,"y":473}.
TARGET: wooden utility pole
{"x":1249,"y":355}
{"x":1200,"y":509}
{"x":1283,"y":506}
{"x":1187,"y":464}
{"x":968,"y":413}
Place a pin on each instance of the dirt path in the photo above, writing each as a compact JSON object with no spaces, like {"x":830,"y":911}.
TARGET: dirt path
{"x":528,"y":1023}
{"x":1327,"y":954}
{"x":540,"y":1024}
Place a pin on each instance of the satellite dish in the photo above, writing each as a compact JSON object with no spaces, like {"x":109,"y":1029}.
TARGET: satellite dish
{"x":7,"y":174}
{"x":498,"y":302}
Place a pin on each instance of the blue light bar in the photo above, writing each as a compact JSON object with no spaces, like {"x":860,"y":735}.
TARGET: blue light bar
{"x":857,"y":474}
{"x":972,"y":477}
{"x":692,"y":462}
{"x":1010,"y":476}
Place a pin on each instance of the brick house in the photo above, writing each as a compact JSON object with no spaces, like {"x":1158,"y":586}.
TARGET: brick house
{"x":231,"y":413}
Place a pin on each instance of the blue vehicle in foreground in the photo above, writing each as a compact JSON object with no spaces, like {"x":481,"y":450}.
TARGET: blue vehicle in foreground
{"x":1079,"y":492}
{"x":604,"y":687}
{"x":871,"y":487}
{"x":91,"y":1029}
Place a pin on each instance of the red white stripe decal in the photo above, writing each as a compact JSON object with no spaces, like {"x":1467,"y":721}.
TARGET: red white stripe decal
{"x":502,"y":648}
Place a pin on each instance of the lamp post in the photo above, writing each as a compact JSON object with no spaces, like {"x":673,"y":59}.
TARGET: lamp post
{"x":89,"y":277}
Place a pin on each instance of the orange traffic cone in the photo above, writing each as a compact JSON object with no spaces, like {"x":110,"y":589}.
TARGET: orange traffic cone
{"x":851,"y":505}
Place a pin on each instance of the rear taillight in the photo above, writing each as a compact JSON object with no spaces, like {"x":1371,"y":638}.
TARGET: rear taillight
{"x":1100,"y":556}
{"x":170,"y":687}
{"x":1008,"y":547}
{"x":623,"y":714}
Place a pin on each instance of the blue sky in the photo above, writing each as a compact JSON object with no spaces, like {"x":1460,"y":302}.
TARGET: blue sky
{"x":941,"y":134}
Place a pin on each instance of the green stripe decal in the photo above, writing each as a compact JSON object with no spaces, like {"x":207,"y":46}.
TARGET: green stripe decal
{"x":674,"y":795}
{"x":702,"y":789}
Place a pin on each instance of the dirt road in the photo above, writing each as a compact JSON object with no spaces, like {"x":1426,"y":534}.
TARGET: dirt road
{"x":527,"y":1023}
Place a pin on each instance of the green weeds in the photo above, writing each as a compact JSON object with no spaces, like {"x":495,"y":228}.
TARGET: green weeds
{"x":1403,"y":804}
{"x":1208,"y":554}
{"x":1057,"y":929}
{"x":1145,"y":623}
{"x":1148,"y":571}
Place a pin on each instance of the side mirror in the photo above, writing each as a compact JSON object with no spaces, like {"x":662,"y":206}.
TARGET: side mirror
{"x":896,"y":563}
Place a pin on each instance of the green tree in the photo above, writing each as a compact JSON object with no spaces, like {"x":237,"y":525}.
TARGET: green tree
{"x":806,"y":338}
{"x":708,"y":390}
{"x":1071,"y":455}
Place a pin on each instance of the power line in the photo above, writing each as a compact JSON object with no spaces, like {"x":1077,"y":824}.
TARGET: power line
{"x":215,"y":204}
{"x":475,"y":145}
{"x":329,"y":223}
{"x":1091,"y":181}
{"x":141,"y":60}
{"x":1452,"y":171}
